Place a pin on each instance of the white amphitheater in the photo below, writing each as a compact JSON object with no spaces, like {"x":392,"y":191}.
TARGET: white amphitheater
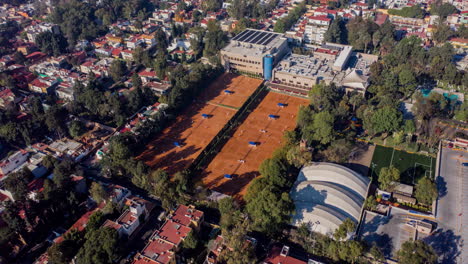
{"x":325,"y":194}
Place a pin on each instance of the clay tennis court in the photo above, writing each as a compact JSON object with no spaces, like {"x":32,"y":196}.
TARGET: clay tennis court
{"x":241,"y":160}
{"x":240,"y":86}
{"x":191,"y":131}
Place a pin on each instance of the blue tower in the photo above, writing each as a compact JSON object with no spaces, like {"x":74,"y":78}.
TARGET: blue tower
{"x":268,"y":67}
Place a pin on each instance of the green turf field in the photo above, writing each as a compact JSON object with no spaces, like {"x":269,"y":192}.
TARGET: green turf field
{"x":411,"y":166}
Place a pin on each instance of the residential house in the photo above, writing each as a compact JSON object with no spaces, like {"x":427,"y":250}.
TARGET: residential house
{"x":65,"y":91}
{"x":13,"y":162}
{"x":166,"y":241}
{"x":283,"y":255}
{"x":8,"y":98}
{"x":43,"y":85}
{"x":129,"y":221}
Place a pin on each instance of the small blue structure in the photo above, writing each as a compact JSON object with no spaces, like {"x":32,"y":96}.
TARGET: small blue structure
{"x":281,"y":105}
{"x":205,"y":115}
{"x":177,"y":144}
{"x":228,"y":92}
{"x":252,"y":143}
{"x":268,"y":62}
{"x":273,"y":116}
{"x":228,"y":176}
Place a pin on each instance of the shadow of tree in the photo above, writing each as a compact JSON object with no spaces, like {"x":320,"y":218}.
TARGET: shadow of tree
{"x":446,"y":244}
{"x":369,"y":232}
{"x":441,"y":186}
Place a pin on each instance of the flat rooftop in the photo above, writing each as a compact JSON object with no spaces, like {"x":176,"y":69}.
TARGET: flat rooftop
{"x":306,"y":65}
{"x":254,"y":42}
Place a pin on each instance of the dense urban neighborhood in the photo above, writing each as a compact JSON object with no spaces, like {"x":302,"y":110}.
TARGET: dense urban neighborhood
{"x":233,"y":131}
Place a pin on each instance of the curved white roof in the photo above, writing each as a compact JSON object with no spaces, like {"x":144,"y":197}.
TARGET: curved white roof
{"x":328,"y":193}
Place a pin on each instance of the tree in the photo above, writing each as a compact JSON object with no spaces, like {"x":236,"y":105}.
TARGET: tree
{"x":17,"y":183}
{"x":407,"y":80}
{"x":323,"y":127}
{"x":409,"y":126}
{"x":215,"y":39}
{"x":76,"y":129}
{"x":136,"y":81}
{"x":95,"y":221}
{"x":442,"y":32}
{"x":376,"y":253}
{"x":443,"y":9}
{"x":19,"y":58}
{"x":52,"y":44}
{"x":337,"y":32}
{"x":274,"y":169}
{"x":416,"y":252}
{"x":163,"y":188}
{"x":338,"y":151}
{"x":426,"y":191}
{"x":265,"y":217}
{"x":55,"y":120}
{"x":370,"y":203}
{"x":386,"y":119}
{"x":344,"y":229}
{"x":101,"y":247}
{"x":190,"y":241}
{"x":461,"y":114}
{"x":196,"y":16}
{"x":63,"y":252}
{"x":239,"y":249}
{"x":49,"y":162}
{"x":413,"y":12}
{"x":324,"y":97}
{"x":298,"y":157}
{"x":230,"y":214}
{"x":211,"y":5}
{"x":98,"y":193}
{"x":388,"y":175}
{"x":117,"y":70}
{"x":161,"y":41}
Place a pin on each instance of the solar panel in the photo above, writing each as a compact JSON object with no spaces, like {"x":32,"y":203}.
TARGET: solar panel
{"x":240,"y":35}
{"x":258,"y":37}
{"x":254,"y":33}
{"x":263,"y":38}
{"x":268,"y":40}
{"x":246,"y":35}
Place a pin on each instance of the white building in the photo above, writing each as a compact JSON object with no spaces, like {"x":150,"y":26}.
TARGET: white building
{"x":13,"y":162}
{"x":325,"y":194}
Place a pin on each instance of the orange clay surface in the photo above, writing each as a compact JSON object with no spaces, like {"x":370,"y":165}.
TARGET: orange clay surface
{"x":191,"y":130}
{"x":242,"y":86}
{"x":240,"y":159}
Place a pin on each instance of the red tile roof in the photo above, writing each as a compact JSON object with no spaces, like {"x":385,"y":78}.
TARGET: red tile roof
{"x":460,"y":40}
{"x":274,"y":257}
{"x":80,"y":225}
{"x":158,"y":250}
{"x":184,"y":215}
{"x":173,"y":232}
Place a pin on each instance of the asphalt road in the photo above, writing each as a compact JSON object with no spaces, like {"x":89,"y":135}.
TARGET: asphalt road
{"x":452,"y":206}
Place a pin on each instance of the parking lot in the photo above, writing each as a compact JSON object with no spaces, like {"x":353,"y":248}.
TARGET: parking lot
{"x":386,"y":232}
{"x":452,"y":208}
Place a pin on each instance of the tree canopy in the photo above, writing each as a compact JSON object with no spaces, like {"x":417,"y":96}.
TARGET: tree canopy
{"x":414,"y":11}
{"x":417,"y":252}
{"x":426,"y":191}
{"x":388,"y":175}
{"x":101,"y":247}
